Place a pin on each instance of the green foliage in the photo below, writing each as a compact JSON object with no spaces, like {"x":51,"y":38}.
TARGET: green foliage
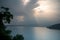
{"x":18,"y":37}
{"x":8,"y":32}
{"x":5,"y":16}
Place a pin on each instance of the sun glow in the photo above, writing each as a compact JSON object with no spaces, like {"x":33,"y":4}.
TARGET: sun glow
{"x":42,"y":7}
{"x":25,"y":2}
{"x":42,"y":11}
{"x":20,"y":18}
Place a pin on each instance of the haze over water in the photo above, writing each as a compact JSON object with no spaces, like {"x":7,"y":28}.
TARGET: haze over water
{"x":34,"y":12}
{"x":35,"y":33}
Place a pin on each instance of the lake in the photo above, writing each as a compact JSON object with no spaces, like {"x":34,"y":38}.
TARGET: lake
{"x":35,"y":33}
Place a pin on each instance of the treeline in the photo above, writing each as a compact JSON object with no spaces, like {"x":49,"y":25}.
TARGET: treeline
{"x":5,"y":17}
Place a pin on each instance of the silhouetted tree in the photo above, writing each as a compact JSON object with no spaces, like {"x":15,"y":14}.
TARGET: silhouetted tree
{"x":5,"y":16}
{"x":18,"y":37}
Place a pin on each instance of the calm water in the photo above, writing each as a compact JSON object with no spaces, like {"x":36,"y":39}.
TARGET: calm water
{"x":35,"y":33}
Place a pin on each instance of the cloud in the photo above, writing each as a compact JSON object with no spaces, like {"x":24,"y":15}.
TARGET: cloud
{"x":20,"y":18}
{"x":48,"y":17}
{"x":25,"y":2}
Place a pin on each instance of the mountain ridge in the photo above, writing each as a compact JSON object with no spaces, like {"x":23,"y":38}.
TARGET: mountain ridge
{"x":55,"y":26}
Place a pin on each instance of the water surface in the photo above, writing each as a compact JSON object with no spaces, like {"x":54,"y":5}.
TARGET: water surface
{"x":35,"y":33}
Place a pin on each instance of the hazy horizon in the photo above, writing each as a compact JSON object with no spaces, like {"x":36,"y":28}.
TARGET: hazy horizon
{"x":36,"y":16}
{"x":35,"y":33}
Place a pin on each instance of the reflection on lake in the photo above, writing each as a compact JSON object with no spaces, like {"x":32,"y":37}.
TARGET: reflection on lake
{"x":35,"y":33}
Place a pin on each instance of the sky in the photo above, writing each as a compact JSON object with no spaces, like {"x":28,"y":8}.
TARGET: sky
{"x":33,"y":12}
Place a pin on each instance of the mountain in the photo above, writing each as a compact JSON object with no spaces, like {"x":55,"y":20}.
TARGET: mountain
{"x":55,"y":26}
